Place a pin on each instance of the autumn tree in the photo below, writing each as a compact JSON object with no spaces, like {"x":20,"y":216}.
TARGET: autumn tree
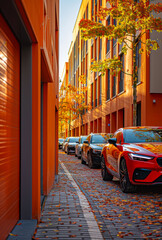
{"x":81,"y":103}
{"x":133,"y":18}
{"x":72,"y":102}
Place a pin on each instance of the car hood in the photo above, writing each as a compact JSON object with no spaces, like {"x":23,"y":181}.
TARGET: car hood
{"x":98,"y":146}
{"x":153,"y":148}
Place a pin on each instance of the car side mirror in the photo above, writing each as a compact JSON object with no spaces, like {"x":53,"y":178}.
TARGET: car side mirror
{"x":112,"y":141}
{"x":86,"y":141}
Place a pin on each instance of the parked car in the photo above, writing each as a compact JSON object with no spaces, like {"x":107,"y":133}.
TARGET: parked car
{"x":70,"y":145}
{"x":63,"y":144}
{"x":133,"y":155}
{"x":79,"y":146}
{"x":92,"y":147}
{"x":60,"y":142}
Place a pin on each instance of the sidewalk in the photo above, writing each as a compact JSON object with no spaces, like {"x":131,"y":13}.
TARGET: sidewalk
{"x":67,"y":213}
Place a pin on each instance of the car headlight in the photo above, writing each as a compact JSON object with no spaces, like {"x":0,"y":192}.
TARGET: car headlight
{"x":139,"y":157}
{"x":96,"y":151}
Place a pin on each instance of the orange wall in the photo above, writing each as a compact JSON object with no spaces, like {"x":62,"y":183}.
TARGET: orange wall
{"x":42,"y":21}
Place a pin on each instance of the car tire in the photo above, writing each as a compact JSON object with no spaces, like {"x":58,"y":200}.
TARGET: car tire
{"x":67,"y":151}
{"x":126,"y":185}
{"x":90,"y":161}
{"x":82,"y":161}
{"x":106,"y":176}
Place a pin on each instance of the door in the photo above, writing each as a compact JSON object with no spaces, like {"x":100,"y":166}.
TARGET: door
{"x":9,"y":129}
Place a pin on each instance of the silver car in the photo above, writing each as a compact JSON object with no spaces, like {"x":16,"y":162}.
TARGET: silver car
{"x":79,"y":146}
{"x":70,"y":145}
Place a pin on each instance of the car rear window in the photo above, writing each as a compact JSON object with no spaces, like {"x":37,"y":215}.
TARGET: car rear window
{"x":98,"y":139}
{"x":83,"y":139}
{"x":74,"y":140}
{"x":142,"y":135}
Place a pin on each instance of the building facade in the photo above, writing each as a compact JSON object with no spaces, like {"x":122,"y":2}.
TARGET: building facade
{"x":63,"y":125}
{"x":111,"y":97}
{"x":29,"y":85}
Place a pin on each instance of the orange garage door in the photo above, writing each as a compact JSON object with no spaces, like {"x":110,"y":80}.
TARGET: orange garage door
{"x":9,"y":129}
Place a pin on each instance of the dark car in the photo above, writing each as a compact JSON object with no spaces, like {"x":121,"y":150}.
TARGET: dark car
{"x":71,"y":143}
{"x":92,"y":147}
{"x":60,"y":142}
{"x":133,"y":155}
{"x":78,"y":146}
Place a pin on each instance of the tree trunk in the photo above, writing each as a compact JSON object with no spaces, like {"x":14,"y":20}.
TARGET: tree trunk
{"x":81,"y":124}
{"x":134,"y":83}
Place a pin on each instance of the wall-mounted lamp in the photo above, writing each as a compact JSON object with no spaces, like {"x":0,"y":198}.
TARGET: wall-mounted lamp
{"x":154,"y":101}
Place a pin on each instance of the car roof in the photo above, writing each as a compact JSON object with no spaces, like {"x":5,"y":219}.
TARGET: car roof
{"x":73,"y":137}
{"x":143,"y":127}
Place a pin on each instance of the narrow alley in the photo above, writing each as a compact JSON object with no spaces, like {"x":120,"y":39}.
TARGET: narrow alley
{"x":82,"y":206}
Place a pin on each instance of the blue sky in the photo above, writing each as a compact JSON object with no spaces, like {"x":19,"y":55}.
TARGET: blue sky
{"x":68,"y":14}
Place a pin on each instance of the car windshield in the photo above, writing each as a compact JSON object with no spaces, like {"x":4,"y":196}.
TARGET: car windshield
{"x":61,"y":140}
{"x":98,"y":139}
{"x":142,"y":135}
{"x":83,"y":139}
{"x":74,"y":140}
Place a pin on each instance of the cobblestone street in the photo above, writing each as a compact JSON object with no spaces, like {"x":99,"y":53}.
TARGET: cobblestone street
{"x":82,"y":206}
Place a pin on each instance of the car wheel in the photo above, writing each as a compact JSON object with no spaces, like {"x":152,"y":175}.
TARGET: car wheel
{"x":82,"y":161}
{"x":105,"y":175}
{"x":67,"y":151}
{"x":90,"y":162}
{"x":75,"y":154}
{"x":125,"y":184}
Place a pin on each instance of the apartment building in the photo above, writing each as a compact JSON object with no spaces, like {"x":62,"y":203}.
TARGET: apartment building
{"x":111,"y":97}
{"x":28,"y":107}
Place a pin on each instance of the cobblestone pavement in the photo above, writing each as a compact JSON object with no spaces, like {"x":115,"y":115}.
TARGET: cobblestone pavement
{"x":82,"y":206}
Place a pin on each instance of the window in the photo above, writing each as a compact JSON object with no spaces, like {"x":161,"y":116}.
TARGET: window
{"x":114,"y":86}
{"x":86,"y":99}
{"x":96,"y":93}
{"x":142,"y":135}
{"x":100,"y":89}
{"x":92,"y":8}
{"x":98,"y":139}
{"x":82,"y":139}
{"x":108,"y":85}
{"x":95,"y":49}
{"x":121,"y":80}
{"x":107,"y":40}
{"x":86,"y":46}
{"x":114,"y":40}
{"x":92,"y":56}
{"x":100,"y":50}
{"x":138,"y":61}
{"x":74,"y":81}
{"x":92,"y":95}
{"x":87,"y":12}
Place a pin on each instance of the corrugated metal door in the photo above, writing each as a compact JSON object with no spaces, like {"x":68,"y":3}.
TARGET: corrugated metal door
{"x":9,"y":129}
